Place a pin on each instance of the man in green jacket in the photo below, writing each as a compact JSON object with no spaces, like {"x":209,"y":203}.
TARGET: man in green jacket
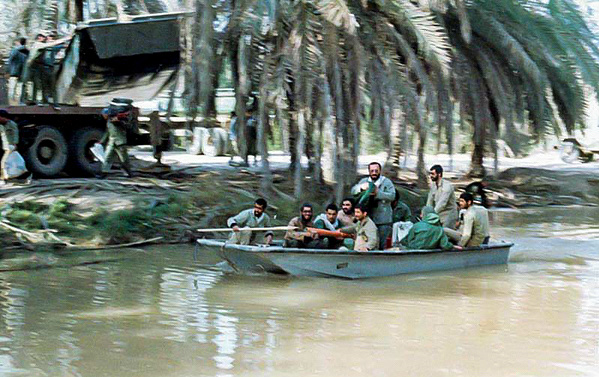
{"x":329,"y":221}
{"x":427,"y":234}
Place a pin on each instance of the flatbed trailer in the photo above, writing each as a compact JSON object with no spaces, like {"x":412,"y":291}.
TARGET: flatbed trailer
{"x":54,"y":141}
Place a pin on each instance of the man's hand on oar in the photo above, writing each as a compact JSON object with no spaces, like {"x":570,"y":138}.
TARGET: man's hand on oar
{"x":272,"y":229}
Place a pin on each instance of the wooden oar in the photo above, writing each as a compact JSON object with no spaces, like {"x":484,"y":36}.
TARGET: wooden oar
{"x":272,"y":228}
{"x":330,"y":233}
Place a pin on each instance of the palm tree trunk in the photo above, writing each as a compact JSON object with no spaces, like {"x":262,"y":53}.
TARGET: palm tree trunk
{"x":204,"y":45}
{"x":238,"y":62}
{"x":78,"y":11}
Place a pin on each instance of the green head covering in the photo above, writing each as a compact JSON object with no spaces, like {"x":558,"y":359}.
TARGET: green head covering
{"x":426,"y":210}
{"x":432,"y":218}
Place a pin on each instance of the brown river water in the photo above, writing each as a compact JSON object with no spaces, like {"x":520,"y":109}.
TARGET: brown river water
{"x":159,"y":312}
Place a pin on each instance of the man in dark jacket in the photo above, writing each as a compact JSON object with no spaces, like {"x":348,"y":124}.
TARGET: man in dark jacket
{"x":427,"y":234}
{"x":16,"y":68}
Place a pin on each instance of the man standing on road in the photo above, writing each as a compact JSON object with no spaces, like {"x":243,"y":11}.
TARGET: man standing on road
{"x":16,"y":69}
{"x":442,"y":198}
{"x":476,"y":224}
{"x":117,"y":143}
{"x":9,"y":134}
{"x":250,"y":218}
{"x":377,"y":192}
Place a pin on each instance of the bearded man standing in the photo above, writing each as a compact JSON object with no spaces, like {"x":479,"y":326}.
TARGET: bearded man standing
{"x":377,"y":192}
{"x":442,"y":198}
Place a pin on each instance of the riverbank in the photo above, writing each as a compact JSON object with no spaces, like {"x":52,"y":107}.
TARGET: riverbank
{"x":167,"y":206}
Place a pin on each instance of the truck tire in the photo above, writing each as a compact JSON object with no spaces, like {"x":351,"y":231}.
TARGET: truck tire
{"x":215,"y":142}
{"x":81,"y":160}
{"x":194,"y":146}
{"x":47,"y":156}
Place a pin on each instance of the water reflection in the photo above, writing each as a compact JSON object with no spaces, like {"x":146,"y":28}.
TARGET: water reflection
{"x":157,"y":313}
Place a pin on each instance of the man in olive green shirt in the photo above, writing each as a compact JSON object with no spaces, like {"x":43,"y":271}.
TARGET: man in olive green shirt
{"x":251,"y":218}
{"x":367,"y":237}
{"x":117,"y":144}
{"x":442,"y":198}
{"x":476,"y":224}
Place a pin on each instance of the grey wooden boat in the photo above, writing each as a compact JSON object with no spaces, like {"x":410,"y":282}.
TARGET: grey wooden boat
{"x":351,"y":264}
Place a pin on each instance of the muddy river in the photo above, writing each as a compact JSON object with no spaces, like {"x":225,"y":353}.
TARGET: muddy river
{"x":159,"y":312}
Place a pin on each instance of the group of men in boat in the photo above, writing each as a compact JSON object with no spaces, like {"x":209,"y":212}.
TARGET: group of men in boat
{"x":375,"y":219}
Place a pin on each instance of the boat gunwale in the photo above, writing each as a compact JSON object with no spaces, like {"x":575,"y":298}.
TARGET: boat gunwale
{"x":281,"y":250}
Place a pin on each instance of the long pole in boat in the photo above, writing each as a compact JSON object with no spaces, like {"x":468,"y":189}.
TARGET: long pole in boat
{"x":272,"y":228}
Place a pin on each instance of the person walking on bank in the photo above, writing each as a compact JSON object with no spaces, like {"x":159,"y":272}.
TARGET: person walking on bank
{"x":379,"y":192}
{"x":442,"y":198}
{"x":367,"y":235}
{"x":9,"y":136}
{"x":16,"y":69}
{"x":251,"y":218}
{"x":117,"y":143}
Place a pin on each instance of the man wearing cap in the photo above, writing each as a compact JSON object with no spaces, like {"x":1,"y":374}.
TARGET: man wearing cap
{"x":117,"y":141}
{"x":9,"y":133}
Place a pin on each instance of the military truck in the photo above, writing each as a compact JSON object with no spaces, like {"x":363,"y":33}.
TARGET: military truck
{"x":103,"y":59}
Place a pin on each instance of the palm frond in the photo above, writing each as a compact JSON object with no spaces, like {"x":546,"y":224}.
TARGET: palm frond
{"x":430,"y":37}
{"x":336,"y":12}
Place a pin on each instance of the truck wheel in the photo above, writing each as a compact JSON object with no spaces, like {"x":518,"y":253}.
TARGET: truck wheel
{"x":47,"y":156}
{"x":215,"y":142}
{"x":81,"y":160}
{"x":194,"y":145}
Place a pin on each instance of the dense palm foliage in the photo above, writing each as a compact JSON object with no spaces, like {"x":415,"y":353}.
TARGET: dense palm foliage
{"x":501,"y":71}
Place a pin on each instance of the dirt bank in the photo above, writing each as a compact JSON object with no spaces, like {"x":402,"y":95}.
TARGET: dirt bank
{"x":167,"y":206}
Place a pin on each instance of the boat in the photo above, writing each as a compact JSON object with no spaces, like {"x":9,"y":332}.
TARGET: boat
{"x":350,"y":264}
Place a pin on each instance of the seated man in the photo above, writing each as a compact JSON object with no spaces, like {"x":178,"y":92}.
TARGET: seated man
{"x":401,"y":211}
{"x":402,"y":219}
{"x":346,"y":216}
{"x":476,"y":224}
{"x":427,"y":234}
{"x":301,"y":237}
{"x":329,"y":221}
{"x":250,"y":218}
{"x":365,"y":230}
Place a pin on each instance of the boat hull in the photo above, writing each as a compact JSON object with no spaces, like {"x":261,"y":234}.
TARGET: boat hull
{"x":352,"y":264}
